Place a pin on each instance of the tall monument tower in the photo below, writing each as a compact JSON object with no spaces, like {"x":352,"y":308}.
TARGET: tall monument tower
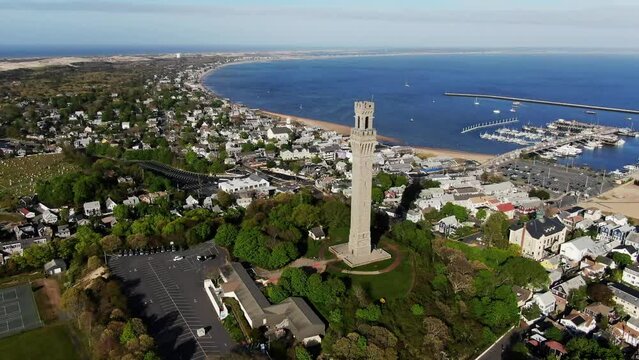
{"x":358,"y":251}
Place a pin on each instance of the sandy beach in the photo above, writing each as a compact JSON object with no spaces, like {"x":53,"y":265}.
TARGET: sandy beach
{"x":623,"y":199}
{"x":345,"y":130}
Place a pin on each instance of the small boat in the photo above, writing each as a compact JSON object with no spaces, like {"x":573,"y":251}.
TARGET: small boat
{"x":411,"y":119}
{"x":301,"y":107}
{"x":476,"y":101}
{"x":496,"y":111}
{"x":406,"y":84}
{"x":590,"y":112}
{"x":516,"y":103}
{"x":513,"y":110}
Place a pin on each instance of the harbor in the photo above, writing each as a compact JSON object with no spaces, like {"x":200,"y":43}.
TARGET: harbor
{"x":562,"y":141}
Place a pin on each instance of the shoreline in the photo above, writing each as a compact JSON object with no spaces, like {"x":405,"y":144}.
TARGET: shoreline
{"x":340,"y":128}
{"x":419,"y":150}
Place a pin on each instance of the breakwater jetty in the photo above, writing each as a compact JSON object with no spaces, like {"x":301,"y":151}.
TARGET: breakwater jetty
{"x":489,"y":124}
{"x":543,"y":102}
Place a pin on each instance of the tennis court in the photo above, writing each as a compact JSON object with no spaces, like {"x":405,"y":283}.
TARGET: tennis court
{"x":18,"y":310}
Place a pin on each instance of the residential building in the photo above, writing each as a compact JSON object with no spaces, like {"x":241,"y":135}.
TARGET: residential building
{"x":631,"y":275}
{"x":577,"y":249}
{"x":578,"y":322}
{"x":92,"y":208}
{"x":292,"y":314}
{"x":626,"y":331}
{"x":626,"y":297}
{"x":55,"y":266}
{"x":538,"y":237}
{"x":317,"y":233}
{"x":279,"y":133}
{"x":545,"y":301}
{"x":447,"y":225}
{"x":251,"y":183}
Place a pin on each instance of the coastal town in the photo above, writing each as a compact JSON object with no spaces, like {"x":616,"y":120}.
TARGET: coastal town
{"x":171,"y":220}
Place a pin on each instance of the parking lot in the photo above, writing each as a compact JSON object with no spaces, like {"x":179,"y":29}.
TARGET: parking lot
{"x":557,"y":179}
{"x":169,"y":295}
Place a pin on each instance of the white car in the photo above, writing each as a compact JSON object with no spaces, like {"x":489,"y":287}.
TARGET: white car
{"x":178,"y":258}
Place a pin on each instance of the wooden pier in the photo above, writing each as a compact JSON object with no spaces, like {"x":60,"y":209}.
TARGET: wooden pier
{"x":544,"y":102}
{"x":489,"y":124}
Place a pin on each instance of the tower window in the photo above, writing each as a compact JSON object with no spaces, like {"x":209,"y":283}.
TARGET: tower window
{"x":358,"y":121}
{"x":366,"y":123}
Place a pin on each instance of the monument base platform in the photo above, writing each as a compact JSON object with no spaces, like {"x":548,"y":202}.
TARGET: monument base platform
{"x":342,"y":253}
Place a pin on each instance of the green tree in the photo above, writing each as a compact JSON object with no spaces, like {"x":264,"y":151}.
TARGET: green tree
{"x":481,"y":214}
{"x":226,"y":235}
{"x":524,"y":272}
{"x":306,"y":216}
{"x":622,"y":260}
{"x":110,"y":243}
{"x":225,"y":199}
{"x":417,"y":310}
{"x":495,"y":230}
{"x":302,"y":354}
{"x":370,"y":313}
{"x":460,"y":212}
{"x":578,"y":298}
{"x":539,"y":193}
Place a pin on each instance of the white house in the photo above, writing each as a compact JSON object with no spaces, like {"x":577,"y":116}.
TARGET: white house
{"x":578,"y":322}
{"x":131,"y":201}
{"x":414,"y":215}
{"x":577,"y":249}
{"x":631,"y":275}
{"x":92,"y":208}
{"x":191,"y":202}
{"x":279,"y":133}
{"x":110,"y":205}
{"x":49,"y":218}
{"x":545,"y":301}
{"x":447,"y":225}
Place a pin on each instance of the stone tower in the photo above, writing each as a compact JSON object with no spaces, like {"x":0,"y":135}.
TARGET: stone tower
{"x":358,"y":251}
{"x":363,"y":141}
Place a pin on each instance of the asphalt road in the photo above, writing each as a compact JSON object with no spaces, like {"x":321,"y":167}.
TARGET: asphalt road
{"x":169,"y":295}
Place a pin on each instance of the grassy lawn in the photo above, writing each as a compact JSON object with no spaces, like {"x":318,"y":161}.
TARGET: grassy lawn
{"x":51,"y":343}
{"x":19,"y":176}
{"x":391,"y":285}
{"x":20,"y":278}
{"x":10,"y":217}
{"x":313,"y":248}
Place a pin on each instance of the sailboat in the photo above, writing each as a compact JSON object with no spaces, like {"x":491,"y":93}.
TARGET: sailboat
{"x":411,"y":119}
{"x":496,"y":111}
{"x":407,"y":84}
{"x":476,"y":101}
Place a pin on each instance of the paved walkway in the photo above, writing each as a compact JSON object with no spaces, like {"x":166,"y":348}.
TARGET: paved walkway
{"x":396,"y":254}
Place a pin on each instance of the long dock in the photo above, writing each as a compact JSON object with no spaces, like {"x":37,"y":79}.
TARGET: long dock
{"x":544,"y":102}
{"x":489,"y":124}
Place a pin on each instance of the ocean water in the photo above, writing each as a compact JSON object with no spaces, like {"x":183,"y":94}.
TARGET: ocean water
{"x":412,"y":87}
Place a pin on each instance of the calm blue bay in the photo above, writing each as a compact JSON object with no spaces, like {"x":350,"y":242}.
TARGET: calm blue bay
{"x":412,"y":87}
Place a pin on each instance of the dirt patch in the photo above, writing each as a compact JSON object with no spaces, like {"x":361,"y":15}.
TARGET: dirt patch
{"x":47,"y":295}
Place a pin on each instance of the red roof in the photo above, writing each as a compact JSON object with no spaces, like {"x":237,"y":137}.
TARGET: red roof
{"x":24,"y":211}
{"x":505,"y":207}
{"x":556,"y":346}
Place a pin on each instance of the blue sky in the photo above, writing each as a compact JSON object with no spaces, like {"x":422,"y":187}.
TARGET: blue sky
{"x":323,"y":23}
